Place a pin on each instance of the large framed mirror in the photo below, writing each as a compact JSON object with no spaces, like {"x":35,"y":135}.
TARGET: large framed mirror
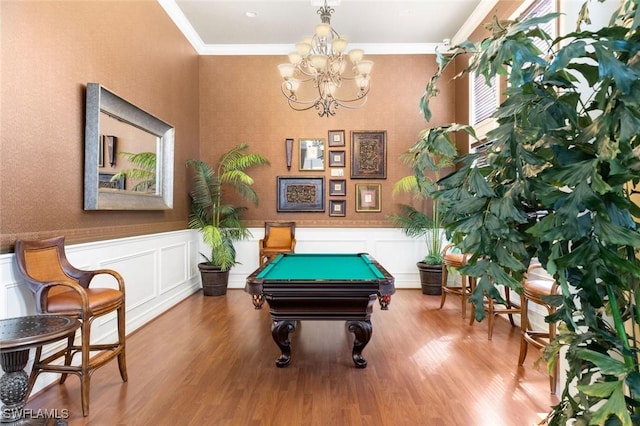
{"x":128,"y":160}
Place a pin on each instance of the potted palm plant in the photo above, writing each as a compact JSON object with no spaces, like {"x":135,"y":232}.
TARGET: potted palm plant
{"x":433,"y":152}
{"x":559,"y":184}
{"x":221,"y":224}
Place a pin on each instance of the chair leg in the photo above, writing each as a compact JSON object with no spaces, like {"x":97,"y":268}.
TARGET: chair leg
{"x":122,"y":362}
{"x":68,"y":356}
{"x":507,"y":295}
{"x":443,"y":293}
{"x":464,"y":296}
{"x":524,"y":326}
{"x":85,"y":374}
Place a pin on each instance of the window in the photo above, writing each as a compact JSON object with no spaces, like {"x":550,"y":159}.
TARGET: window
{"x":485,"y":98}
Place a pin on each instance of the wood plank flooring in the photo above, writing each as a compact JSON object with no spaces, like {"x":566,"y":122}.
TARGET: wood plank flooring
{"x":211,"y":361}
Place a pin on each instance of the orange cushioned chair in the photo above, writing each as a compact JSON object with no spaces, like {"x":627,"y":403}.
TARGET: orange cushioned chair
{"x":64,"y":290}
{"x":279,"y":237}
{"x":537,"y":284}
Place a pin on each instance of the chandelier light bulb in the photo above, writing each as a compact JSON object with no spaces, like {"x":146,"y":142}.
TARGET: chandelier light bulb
{"x":323,"y":30}
{"x":295,"y":58}
{"x":286,"y":70}
{"x":339,"y":44}
{"x":356,"y":55}
{"x":303,"y":48}
{"x":364,"y":67}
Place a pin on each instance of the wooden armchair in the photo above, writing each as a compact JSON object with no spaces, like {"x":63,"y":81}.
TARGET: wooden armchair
{"x":279,"y":237}
{"x":61,"y":289}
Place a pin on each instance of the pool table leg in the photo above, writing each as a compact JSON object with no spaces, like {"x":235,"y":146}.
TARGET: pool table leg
{"x":280,"y":332}
{"x":384,"y":302}
{"x":362,"y":331}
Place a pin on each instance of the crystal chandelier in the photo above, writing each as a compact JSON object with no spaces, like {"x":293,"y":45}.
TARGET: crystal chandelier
{"x":315,"y":75}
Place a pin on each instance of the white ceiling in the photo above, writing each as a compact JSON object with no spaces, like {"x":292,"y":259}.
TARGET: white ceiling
{"x":378,"y":26}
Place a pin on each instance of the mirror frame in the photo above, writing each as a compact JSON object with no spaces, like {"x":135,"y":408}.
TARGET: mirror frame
{"x":99,"y":99}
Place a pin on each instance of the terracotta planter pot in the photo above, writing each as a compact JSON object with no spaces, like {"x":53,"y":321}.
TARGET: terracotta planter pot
{"x":430,"y":278}
{"x":214,"y":281}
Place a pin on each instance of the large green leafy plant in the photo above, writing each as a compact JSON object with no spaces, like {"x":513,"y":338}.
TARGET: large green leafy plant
{"x":221,"y":224}
{"x":558,"y":186}
{"x":433,"y":152}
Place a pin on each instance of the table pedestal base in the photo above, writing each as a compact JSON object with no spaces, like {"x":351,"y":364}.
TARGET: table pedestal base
{"x":14,"y":384}
{"x":362,"y":331}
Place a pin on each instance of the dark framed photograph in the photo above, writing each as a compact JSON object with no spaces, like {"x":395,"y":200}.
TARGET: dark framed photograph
{"x":337,"y":207}
{"x":337,"y":187}
{"x":368,"y":197}
{"x":106,"y":181}
{"x":311,"y":154}
{"x":300,"y":194}
{"x":336,"y":137}
{"x":336,"y":159}
{"x":369,"y":154}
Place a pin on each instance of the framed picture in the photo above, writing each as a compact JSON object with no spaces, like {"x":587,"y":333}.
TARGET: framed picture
{"x":105,"y":181}
{"x":336,"y":159}
{"x":311,"y":154}
{"x":368,"y":197}
{"x":369,"y":155}
{"x":300,"y":194}
{"x":337,"y":207}
{"x":337,"y":187}
{"x":336,"y":137}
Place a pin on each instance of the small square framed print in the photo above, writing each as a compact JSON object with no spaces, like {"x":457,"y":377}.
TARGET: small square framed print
{"x":336,"y":137}
{"x":336,"y":159}
{"x":337,"y":187}
{"x":337,"y":207}
{"x":368,"y":197}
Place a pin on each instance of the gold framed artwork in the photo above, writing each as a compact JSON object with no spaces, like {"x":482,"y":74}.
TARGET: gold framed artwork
{"x":368,"y":197}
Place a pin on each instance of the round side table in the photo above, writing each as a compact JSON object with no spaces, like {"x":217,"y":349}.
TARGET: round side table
{"x":17,"y":336}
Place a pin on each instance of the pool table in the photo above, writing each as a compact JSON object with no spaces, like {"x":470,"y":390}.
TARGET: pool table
{"x":321,"y":286}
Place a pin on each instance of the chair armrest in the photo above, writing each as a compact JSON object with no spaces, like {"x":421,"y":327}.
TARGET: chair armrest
{"x":43,"y":292}
{"x":114,"y":274}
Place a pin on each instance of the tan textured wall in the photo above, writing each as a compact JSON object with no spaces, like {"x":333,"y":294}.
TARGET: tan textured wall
{"x":241,"y":101}
{"x":50,"y":50}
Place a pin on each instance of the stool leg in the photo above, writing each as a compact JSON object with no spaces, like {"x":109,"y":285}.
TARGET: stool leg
{"x":464,"y":295}
{"x":524,"y":326}
{"x":443,"y":293}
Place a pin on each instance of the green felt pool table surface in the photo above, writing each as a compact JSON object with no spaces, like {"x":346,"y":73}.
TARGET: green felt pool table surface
{"x":322,"y":266}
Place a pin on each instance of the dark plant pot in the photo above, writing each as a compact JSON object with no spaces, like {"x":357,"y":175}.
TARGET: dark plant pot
{"x":214,"y":280}
{"x":430,"y":278}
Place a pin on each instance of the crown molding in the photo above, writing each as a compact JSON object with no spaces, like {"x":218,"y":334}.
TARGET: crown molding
{"x":183,"y":24}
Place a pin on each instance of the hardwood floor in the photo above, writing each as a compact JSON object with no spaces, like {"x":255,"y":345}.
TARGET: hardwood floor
{"x":211,"y":361}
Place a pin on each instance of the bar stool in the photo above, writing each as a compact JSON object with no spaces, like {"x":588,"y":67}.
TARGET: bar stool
{"x":492,"y":309}
{"x":538,"y":284}
{"x":455,"y":260}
